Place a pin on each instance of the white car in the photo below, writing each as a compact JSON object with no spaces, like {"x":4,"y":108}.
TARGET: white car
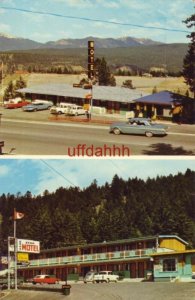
{"x":102,"y":276}
{"x":89,"y":277}
{"x":76,"y":110}
{"x":63,"y":108}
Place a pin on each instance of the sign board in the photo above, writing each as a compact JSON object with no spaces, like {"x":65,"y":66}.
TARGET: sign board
{"x":22,"y":257}
{"x":90,"y":59}
{"x":28,"y":246}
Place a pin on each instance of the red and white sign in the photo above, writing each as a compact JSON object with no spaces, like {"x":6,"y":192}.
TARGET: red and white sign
{"x":28,"y":246}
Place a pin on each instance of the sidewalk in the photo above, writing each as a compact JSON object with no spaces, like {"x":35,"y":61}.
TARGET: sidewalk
{"x":98,"y":119}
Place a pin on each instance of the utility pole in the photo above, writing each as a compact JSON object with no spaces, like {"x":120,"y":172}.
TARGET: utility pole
{"x":9,"y":264}
{"x":15,"y":251}
{"x":2,"y":77}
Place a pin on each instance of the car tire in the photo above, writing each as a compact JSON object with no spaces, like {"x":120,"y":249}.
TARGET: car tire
{"x":149,"y":134}
{"x":35,"y":109}
{"x":59,"y":113}
{"x":116,"y":131}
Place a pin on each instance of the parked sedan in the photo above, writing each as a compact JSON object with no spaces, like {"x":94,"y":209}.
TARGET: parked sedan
{"x":37,"y":106}
{"x":19,"y":104}
{"x":49,"y":279}
{"x":139,"y":126}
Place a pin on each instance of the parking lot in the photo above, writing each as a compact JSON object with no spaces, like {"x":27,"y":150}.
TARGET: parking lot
{"x":115,"y":291}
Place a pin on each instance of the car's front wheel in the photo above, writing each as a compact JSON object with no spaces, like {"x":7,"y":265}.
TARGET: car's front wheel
{"x":116,"y":131}
{"x":149,"y":134}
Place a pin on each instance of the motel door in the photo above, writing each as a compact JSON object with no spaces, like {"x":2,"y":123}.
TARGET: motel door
{"x":140,"y":269}
{"x":117,"y":108}
{"x":113,"y":107}
{"x":133,"y":270}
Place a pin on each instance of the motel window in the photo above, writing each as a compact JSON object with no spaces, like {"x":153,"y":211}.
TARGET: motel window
{"x":150,"y":244}
{"x":169,"y":265}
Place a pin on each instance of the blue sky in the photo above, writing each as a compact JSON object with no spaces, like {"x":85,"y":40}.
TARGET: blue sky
{"x":38,"y":175}
{"x":154,"y":13}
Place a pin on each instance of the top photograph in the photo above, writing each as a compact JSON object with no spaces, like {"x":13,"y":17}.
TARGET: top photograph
{"x":83,"y":78}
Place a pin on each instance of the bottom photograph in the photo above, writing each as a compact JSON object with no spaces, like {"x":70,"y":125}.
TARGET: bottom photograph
{"x":97,"y":228}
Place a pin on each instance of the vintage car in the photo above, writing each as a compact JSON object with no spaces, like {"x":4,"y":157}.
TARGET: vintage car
{"x":102,"y":276}
{"x":37,"y":106}
{"x":17,"y":102}
{"x":89,"y":276}
{"x":76,"y":110}
{"x":63,"y":108}
{"x":139,"y":126}
{"x":49,"y":279}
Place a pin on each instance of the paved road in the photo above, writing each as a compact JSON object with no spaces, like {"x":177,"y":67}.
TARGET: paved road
{"x":120,"y":291}
{"x":43,"y":137}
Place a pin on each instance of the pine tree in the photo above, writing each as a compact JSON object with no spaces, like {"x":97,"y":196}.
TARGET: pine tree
{"x":9,"y":92}
{"x":189,"y":59}
{"x":154,"y":91}
{"x":104,"y":75}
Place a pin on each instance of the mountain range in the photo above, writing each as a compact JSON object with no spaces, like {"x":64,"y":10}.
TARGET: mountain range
{"x":9,"y":43}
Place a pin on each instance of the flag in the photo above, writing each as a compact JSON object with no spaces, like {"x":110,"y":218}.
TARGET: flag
{"x":18,"y":215}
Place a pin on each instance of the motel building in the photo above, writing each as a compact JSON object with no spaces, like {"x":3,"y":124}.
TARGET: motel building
{"x":110,"y":100}
{"x":158,"y":258}
{"x":106,"y":99}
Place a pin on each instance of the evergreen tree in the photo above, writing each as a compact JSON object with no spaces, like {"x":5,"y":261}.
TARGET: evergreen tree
{"x":122,"y":209}
{"x":128,"y":84}
{"x":20,"y":83}
{"x":189,"y":59}
{"x":154,"y":91}
{"x":9,"y":92}
{"x":104,"y":75}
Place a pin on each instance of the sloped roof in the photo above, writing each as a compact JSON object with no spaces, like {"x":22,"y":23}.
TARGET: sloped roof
{"x":108,"y":93}
{"x":116,"y":242}
{"x":163,"y":98}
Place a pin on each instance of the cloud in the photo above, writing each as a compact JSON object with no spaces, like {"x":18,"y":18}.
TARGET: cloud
{"x":109,"y":4}
{"x":89,"y":3}
{"x":4,"y":170}
{"x":52,"y":174}
{"x":7,"y":2}
{"x":75,"y":3}
{"x":5,"y":28}
{"x":41,"y":37}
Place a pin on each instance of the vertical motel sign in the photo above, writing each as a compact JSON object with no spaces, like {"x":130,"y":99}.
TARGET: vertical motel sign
{"x":90,"y":59}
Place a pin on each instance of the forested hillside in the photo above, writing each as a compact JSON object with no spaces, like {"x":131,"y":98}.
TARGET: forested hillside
{"x":116,"y":210}
{"x":168,"y":56}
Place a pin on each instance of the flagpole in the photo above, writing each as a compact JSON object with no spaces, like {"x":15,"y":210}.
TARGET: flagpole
{"x":15,"y":249}
{"x":8,"y":275}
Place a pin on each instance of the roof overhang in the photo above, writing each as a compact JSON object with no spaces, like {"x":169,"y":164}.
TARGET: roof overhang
{"x":102,"y":93}
{"x":173,"y":253}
